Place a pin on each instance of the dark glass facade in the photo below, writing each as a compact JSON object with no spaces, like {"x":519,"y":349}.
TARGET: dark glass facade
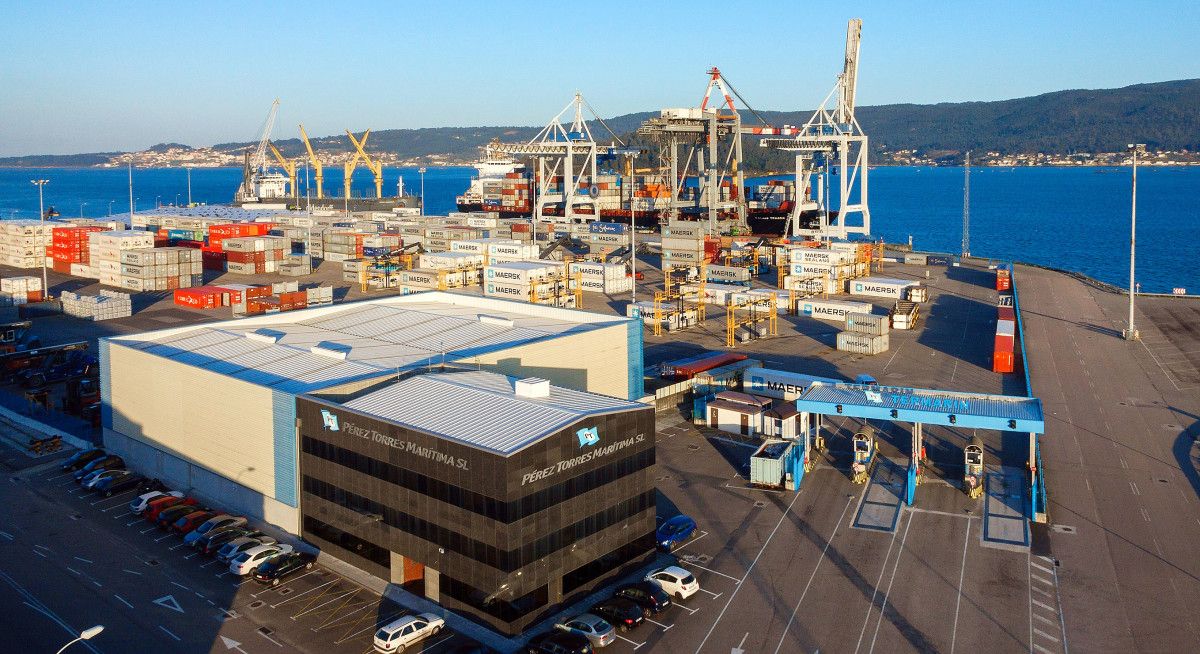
{"x":503,"y":539}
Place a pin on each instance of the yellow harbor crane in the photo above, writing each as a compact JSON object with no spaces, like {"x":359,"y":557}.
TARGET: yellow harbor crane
{"x":349,"y":166}
{"x":374,"y":165}
{"x":316,"y":164}
{"x":289,"y":167}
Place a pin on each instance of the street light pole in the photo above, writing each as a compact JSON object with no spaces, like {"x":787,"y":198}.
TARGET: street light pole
{"x":189,"y":176}
{"x":632,"y":229}
{"x":110,"y":204}
{"x":422,"y":171}
{"x":86,"y":634}
{"x":41,"y":184}
{"x":81,"y":206}
{"x":1131,"y":333}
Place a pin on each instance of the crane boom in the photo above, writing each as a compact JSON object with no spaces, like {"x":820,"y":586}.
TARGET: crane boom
{"x":850,"y":69}
{"x":259,"y":158}
{"x":288,"y":166}
{"x":349,"y":166}
{"x":316,"y":163}
{"x":376,"y":167}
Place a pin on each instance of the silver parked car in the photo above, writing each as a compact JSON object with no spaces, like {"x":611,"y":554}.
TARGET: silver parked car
{"x":595,"y":628}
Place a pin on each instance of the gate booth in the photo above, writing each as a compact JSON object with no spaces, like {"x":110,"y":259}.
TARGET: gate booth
{"x":931,"y":407}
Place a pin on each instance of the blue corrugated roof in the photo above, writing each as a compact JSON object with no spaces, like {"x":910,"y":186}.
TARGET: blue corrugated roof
{"x":929,"y":406}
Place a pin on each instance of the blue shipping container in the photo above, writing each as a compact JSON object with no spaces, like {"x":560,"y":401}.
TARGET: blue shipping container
{"x":607,"y":228}
{"x":376,"y":252}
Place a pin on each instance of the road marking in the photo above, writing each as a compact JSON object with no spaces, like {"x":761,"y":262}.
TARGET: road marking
{"x":268,"y":638}
{"x":168,"y":602}
{"x":165,"y":630}
{"x":1043,"y":605}
{"x":119,"y":515}
{"x":689,"y":610}
{"x":39,"y":553}
{"x":697,"y":565}
{"x":123,"y":601}
{"x":1160,"y":553}
{"x":1044,"y":581}
{"x":1124,"y":464}
{"x":814,"y":574}
{"x":144,"y":531}
{"x":962,"y":572}
{"x":191,"y":556}
{"x":336,"y":598}
{"x":162,"y":538}
{"x":1133,"y":487}
{"x":892,"y":580}
{"x":635,"y":645}
{"x":1041,"y":567}
{"x":748,"y":571}
{"x":173,"y":583}
{"x":42,"y":547}
{"x":715,"y":595}
{"x":1042,"y":591}
{"x":702,"y":535}
{"x":175,"y":547}
{"x":1145,"y":516}
{"x":73,"y":570}
{"x":1041,"y":649}
{"x":80,"y":558}
{"x":277,"y":587}
{"x":1044,"y":634}
{"x":132,"y":572}
{"x":665,"y":627}
{"x":878,"y":582}
{"x":1043,"y":618}
{"x":6,"y":535}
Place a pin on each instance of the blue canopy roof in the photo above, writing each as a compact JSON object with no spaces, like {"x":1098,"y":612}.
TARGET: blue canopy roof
{"x":926,"y":406}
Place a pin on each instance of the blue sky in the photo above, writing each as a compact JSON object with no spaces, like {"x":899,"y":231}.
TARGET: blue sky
{"x":90,"y":76}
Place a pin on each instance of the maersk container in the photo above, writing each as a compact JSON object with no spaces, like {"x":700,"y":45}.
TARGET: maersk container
{"x":831,"y":309}
{"x":682,"y":244}
{"x":865,"y":323}
{"x":519,"y":272}
{"x":779,"y":384}
{"x":939,"y":259}
{"x":810,"y":269}
{"x":685,"y":230}
{"x":862,"y":343}
{"x":767,"y":464}
{"x":813,"y":255}
{"x":880,"y":287}
{"x":728,"y":274}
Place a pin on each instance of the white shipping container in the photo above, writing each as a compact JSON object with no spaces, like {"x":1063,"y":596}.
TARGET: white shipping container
{"x":513,"y":250}
{"x":831,"y":309}
{"x":809,"y":269}
{"x":450,"y":260}
{"x":728,"y":273}
{"x":421,"y":278}
{"x":823,"y":284}
{"x":678,"y":257}
{"x":778,"y":383}
{"x":862,"y":343}
{"x":597,"y":270}
{"x":814,"y":255}
{"x":684,"y":230}
{"x":682,"y":244}
{"x":719,"y":294}
{"x":880,"y":287}
{"x":519,"y":272}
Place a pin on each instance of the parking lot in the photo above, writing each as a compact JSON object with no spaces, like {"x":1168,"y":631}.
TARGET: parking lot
{"x":164,"y":594}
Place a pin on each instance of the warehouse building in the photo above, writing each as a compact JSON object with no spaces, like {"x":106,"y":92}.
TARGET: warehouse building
{"x":497,"y":497}
{"x":212,"y":408}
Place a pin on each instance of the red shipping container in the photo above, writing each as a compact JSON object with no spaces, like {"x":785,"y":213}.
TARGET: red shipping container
{"x":1006,"y":313}
{"x":33,"y":296}
{"x":63,"y":267}
{"x":520,"y":228}
{"x":1003,"y":362}
{"x":200,"y":297}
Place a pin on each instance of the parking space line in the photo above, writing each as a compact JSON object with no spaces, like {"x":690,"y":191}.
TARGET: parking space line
{"x":165,"y":630}
{"x":962,"y":572}
{"x":665,"y":627}
{"x":278,"y":586}
{"x":173,"y":583}
{"x":812,"y":576}
{"x":336,"y":621}
{"x":635,"y":645}
{"x":749,"y":569}
{"x":702,"y":535}
{"x":715,"y":595}
{"x":122,"y":600}
{"x":132,"y":572}
{"x":275,"y":606}
{"x":892,"y":580}
{"x":878,"y":583}
{"x":697,"y":565}
{"x":134,"y":522}
{"x":373,"y":626}
{"x":689,"y":610}
{"x":145,"y":531}
{"x":307,"y":610}
{"x":79,"y":558}
{"x":38,"y":552}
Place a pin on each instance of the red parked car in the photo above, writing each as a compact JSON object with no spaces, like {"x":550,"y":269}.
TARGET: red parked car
{"x":190,"y":521}
{"x":158,"y":505}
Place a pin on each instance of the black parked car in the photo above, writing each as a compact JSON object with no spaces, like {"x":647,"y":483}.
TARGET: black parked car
{"x":119,"y":484}
{"x":275,"y":569}
{"x":82,"y":458}
{"x":622,"y":613}
{"x":472,"y":648}
{"x":559,"y":642}
{"x":107,"y":462}
{"x":647,"y":595}
{"x":212,"y":541}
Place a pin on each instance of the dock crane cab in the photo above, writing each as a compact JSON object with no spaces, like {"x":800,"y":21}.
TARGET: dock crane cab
{"x":864,"y":455}
{"x":973,"y":468}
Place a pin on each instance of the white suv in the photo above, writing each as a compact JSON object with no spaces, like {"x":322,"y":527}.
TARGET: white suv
{"x":676,"y":581}
{"x":245,"y":563}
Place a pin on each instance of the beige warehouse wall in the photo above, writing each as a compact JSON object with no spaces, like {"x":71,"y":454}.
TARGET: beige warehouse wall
{"x":595,"y":360}
{"x":211,"y":420}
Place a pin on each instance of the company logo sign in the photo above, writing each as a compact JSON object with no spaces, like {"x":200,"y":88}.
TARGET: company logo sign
{"x":329,"y":420}
{"x":588,"y":436}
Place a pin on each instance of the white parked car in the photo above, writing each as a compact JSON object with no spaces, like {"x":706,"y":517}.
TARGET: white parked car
{"x":215,"y":522}
{"x":402,"y":632}
{"x":238,"y":545}
{"x":675,"y":581}
{"x":245,"y":563}
{"x":139,"y":503}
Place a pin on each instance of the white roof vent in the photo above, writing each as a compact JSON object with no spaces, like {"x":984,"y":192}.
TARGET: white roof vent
{"x":496,"y":320}
{"x":331,"y":349}
{"x":533,"y":387}
{"x":265,"y":335}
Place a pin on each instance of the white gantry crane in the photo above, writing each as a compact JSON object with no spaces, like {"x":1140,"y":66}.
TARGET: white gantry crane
{"x":563,"y":152}
{"x":257,"y":183}
{"x":832,"y":138}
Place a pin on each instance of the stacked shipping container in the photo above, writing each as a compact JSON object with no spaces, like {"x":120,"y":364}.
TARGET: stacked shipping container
{"x":160,"y":269}
{"x":255,"y":255}
{"x":69,"y":249}
{"x":1004,"y":345}
{"x":21,"y":290}
{"x":23,"y":243}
